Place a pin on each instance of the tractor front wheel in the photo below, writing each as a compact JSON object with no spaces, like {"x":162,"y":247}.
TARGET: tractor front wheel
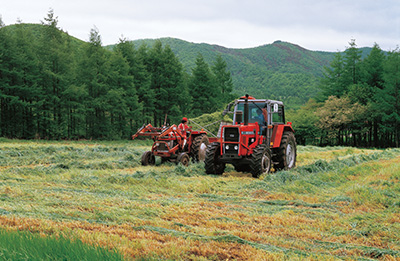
{"x":184,"y":159}
{"x":148,"y":159}
{"x":260,"y":160}
{"x":212,"y":162}
{"x":199,"y":147}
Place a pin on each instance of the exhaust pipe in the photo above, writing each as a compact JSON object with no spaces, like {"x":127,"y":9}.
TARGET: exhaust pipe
{"x":246,"y":110}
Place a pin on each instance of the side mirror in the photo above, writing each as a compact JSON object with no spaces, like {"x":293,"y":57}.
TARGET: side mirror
{"x":228,"y":108}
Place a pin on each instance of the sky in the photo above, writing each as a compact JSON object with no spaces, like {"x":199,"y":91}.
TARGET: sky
{"x":319,"y":25}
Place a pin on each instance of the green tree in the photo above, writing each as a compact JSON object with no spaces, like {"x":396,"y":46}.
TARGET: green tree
{"x":333,"y":83}
{"x":173,"y":91}
{"x":202,"y":88}
{"x":141,"y":82}
{"x":74,"y":99}
{"x":142,"y":78}
{"x":352,"y":67}
{"x":372,"y":67}
{"x":305,"y":121}
{"x":388,"y":101}
{"x":56,"y":58}
{"x":122,"y":97}
{"x":93,"y":74}
{"x":223,"y":79}
{"x":155,"y":68}
{"x":166,"y":83}
{"x":18,"y":83}
{"x":373,"y":82}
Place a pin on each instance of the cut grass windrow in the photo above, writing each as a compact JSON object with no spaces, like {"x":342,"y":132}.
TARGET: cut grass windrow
{"x":339,"y":203}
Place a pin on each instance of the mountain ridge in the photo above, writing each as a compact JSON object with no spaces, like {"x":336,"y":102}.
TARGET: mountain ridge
{"x":280,"y":70}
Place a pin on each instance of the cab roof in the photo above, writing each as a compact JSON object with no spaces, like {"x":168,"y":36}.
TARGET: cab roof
{"x":252,"y":99}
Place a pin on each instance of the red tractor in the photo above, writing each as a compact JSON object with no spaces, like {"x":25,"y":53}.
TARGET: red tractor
{"x":170,"y":145}
{"x":258,"y":139}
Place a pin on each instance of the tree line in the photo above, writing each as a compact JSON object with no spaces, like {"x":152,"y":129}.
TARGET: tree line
{"x":359,"y":103}
{"x":53,"y":86}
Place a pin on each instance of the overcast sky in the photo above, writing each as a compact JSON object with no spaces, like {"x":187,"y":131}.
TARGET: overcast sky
{"x":326,"y":25}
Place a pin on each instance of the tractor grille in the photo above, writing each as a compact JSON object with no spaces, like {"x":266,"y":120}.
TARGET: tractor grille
{"x":231,"y":134}
{"x":162,"y":147}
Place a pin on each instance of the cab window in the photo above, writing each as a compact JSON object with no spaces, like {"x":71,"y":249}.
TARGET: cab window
{"x":277,"y":114}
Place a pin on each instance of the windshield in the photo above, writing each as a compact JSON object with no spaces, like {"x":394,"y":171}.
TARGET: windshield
{"x":255,"y":113}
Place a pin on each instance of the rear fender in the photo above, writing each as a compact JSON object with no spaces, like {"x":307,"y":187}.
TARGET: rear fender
{"x":277,"y":133}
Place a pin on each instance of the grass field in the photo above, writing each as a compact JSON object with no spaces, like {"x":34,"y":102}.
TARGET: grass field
{"x":339,"y":203}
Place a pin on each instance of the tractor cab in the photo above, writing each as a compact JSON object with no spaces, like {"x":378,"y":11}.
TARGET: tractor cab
{"x":264,"y":112}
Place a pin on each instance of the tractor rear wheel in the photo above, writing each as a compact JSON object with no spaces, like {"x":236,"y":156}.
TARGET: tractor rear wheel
{"x":148,"y":159}
{"x":260,"y":160}
{"x":199,"y":147}
{"x":287,"y":151}
{"x":212,"y":162}
{"x":184,"y":159}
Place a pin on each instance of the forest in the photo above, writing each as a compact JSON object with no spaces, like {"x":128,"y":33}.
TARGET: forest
{"x":54,"y":87}
{"x":359,"y":102}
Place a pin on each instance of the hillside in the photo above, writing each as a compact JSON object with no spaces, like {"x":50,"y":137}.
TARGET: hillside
{"x":279,"y":70}
{"x":35,"y":30}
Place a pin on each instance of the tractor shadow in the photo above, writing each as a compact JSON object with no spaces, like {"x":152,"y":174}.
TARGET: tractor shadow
{"x":237,"y":174}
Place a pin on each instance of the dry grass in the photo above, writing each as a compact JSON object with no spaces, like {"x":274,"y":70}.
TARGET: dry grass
{"x":343,"y":207}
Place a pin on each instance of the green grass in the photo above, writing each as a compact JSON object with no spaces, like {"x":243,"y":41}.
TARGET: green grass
{"x":21,"y":245}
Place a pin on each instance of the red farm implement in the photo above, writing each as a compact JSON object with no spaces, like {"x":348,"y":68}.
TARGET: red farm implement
{"x":170,"y":144}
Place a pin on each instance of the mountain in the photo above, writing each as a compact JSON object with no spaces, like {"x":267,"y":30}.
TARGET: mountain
{"x":279,"y":70}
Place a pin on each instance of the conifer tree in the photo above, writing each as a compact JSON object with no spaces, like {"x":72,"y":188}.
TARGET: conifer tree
{"x":333,"y":83}
{"x":202,"y":88}
{"x":122,"y":96}
{"x":373,"y":82}
{"x":173,"y":92}
{"x":18,"y":82}
{"x":55,"y":64}
{"x":223,"y":79}
{"x":352,"y":58}
{"x":93,"y":72}
{"x":155,"y":67}
{"x":142,"y":79}
{"x":388,"y":100}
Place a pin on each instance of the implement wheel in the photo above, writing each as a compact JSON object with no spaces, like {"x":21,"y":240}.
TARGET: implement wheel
{"x":184,"y":159}
{"x":148,"y":159}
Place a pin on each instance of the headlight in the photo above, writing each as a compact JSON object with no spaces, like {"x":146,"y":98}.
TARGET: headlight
{"x":227,"y":147}
{"x":236,"y":147}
